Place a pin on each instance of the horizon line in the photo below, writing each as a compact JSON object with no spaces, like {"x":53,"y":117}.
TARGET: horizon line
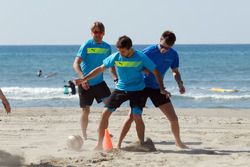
{"x":114,"y":44}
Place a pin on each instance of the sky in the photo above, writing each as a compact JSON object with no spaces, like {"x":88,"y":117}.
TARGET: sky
{"x":28,"y":22}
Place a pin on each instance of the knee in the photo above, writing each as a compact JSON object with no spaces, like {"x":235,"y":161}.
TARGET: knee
{"x":86,"y":110}
{"x":130,"y":119}
{"x":106,"y":114}
{"x":173,"y":119}
{"x":137,"y":118}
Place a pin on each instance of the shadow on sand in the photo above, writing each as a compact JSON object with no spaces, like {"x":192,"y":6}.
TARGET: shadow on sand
{"x":6,"y":159}
{"x":203,"y":151}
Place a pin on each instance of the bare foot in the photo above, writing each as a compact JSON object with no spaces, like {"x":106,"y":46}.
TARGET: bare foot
{"x":98,"y":148}
{"x":84,"y":134}
{"x":181,"y":145}
{"x":118,"y":146}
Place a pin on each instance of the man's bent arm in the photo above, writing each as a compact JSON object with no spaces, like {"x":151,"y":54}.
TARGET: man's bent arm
{"x":177,"y":77}
{"x":159,"y":79}
{"x":76,"y":66}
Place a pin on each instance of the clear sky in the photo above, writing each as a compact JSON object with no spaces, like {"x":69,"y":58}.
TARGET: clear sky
{"x":68,"y":21}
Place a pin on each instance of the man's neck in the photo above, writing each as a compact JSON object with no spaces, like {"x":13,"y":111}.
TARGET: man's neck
{"x":131,"y":52}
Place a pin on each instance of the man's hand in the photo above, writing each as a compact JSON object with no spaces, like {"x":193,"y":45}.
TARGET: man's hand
{"x":165,"y":92}
{"x":81,"y":82}
{"x":85,"y":85}
{"x":146,"y":71}
{"x":182,"y":89}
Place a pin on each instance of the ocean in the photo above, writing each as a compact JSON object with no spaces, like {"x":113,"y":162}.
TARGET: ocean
{"x":203,"y":67}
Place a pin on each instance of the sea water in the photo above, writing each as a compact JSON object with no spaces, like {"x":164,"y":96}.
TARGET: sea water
{"x":202,"y":67}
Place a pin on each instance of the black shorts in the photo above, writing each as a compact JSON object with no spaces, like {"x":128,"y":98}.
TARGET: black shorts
{"x":98,"y":92}
{"x":117,"y":97}
{"x":156,"y":97}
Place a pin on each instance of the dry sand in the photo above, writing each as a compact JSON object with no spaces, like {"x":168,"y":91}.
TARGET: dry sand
{"x":37,"y":137}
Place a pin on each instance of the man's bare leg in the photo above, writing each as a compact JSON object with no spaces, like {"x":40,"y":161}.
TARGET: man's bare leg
{"x":84,"y":120}
{"x":169,"y":111}
{"x":102,"y":126}
{"x":140,"y":127}
{"x":125,"y":128}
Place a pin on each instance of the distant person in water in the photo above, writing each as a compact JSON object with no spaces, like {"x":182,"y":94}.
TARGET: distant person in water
{"x":39,"y":73}
{"x":72,"y":87}
{"x":5,"y":102}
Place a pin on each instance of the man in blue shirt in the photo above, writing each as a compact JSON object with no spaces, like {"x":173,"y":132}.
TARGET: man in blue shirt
{"x":129,"y":64}
{"x":164,"y":57}
{"x":90,"y":55}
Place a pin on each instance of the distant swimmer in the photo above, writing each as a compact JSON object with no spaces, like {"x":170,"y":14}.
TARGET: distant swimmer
{"x":39,"y":73}
{"x":51,"y":74}
{"x":223,"y":90}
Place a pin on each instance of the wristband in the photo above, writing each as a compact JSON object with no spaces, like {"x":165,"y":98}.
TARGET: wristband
{"x":116,"y":80}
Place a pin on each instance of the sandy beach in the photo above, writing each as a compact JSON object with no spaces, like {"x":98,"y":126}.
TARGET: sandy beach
{"x":37,"y":137}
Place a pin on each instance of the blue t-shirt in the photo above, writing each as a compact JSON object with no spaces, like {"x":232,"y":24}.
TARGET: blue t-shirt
{"x":162,"y":60}
{"x":93,"y":55}
{"x":129,"y":70}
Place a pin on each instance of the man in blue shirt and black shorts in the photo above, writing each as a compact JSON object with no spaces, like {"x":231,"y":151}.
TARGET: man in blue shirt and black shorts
{"x":129,"y":64}
{"x":91,"y":55}
{"x":164,"y":57}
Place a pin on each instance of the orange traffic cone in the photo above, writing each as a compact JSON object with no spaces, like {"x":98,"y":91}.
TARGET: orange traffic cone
{"x":107,"y":142}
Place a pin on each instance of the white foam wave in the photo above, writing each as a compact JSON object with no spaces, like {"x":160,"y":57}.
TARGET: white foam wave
{"x":43,"y":93}
{"x":225,"y":97}
{"x":37,"y":93}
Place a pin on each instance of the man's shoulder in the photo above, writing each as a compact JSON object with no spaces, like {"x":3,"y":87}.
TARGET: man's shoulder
{"x":150,"y":48}
{"x":114,"y":55}
{"x":107,"y":45}
{"x":173,"y":52}
{"x":87,"y":43}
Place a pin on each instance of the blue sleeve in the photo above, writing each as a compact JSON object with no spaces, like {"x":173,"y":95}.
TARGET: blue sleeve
{"x":109,"y":61}
{"x":110,"y":50}
{"x":147,"y":63}
{"x":175,"y":63}
{"x":146,"y":51}
{"x":82,"y":52}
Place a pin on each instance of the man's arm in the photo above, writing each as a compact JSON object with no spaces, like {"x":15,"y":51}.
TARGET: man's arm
{"x":113,"y":73}
{"x":177,"y":77}
{"x":160,"y":82}
{"x":5,"y":102}
{"x":91,"y":75}
{"x":77,"y":67}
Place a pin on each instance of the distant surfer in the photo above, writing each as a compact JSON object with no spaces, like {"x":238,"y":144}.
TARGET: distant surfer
{"x":223,"y":90}
{"x":39,"y":73}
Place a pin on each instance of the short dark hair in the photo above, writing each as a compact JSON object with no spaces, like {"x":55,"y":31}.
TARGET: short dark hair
{"x":124,"y":42}
{"x":99,"y":25}
{"x":169,"y":38}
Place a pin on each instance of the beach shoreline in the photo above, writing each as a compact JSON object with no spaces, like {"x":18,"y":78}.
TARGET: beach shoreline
{"x":216,"y":137}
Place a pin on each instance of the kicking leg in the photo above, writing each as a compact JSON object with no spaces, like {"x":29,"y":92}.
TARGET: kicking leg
{"x":102,"y":126}
{"x":125,"y":128}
